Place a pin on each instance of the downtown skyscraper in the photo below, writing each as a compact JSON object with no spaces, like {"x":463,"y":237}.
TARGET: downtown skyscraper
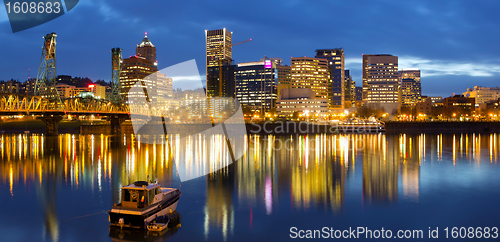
{"x":218,"y":54}
{"x":410,"y":88}
{"x":256,"y":84}
{"x":143,"y":67}
{"x":380,"y":79}
{"x":312,"y":73}
{"x":336,"y":82}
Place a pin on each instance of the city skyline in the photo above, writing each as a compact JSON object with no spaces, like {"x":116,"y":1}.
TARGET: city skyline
{"x":448,"y":46}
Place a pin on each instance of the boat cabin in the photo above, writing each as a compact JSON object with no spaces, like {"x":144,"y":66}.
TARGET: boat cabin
{"x":140,"y":194}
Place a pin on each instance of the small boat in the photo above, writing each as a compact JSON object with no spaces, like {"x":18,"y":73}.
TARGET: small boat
{"x":159,"y":224}
{"x":141,"y":203}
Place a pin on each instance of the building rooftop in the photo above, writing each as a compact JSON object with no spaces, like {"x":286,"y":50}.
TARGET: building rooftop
{"x":146,"y":41}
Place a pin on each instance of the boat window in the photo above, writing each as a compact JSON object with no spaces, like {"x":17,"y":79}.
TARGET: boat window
{"x":126,"y":197}
{"x":134,"y":196}
{"x":142,"y":199}
{"x":158,"y":191}
{"x":151,"y":196}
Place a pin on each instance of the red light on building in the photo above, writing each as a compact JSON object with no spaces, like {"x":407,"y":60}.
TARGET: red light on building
{"x":91,"y":85}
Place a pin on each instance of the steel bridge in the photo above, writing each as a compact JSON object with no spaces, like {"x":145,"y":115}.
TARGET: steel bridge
{"x":51,"y":111}
{"x":27,"y":104}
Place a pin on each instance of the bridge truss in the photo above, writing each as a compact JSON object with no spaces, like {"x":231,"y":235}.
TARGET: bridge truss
{"x":16,"y":103}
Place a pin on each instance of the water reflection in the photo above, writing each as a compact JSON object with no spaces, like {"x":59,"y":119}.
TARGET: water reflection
{"x":82,"y":163}
{"x":297,"y":173}
{"x":121,"y":235}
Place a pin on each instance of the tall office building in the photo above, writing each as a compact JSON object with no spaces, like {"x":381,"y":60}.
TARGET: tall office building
{"x":284,"y":77}
{"x":335,"y":58}
{"x":143,"y":67}
{"x":164,"y":89}
{"x":359,"y":94}
{"x":223,"y":88}
{"x":380,"y":79}
{"x":409,"y":74}
{"x":146,"y":49}
{"x":410,"y":87}
{"x":312,"y":73}
{"x":483,"y":94}
{"x":350,"y":90}
{"x":256,"y":84}
{"x":136,"y":69}
{"x":218,"y":53}
{"x":410,"y":91}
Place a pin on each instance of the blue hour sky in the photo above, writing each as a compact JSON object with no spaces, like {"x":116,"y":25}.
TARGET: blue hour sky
{"x":454,"y":43}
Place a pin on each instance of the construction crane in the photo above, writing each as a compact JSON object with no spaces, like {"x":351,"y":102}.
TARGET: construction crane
{"x":222,"y":60}
{"x":242,"y":42}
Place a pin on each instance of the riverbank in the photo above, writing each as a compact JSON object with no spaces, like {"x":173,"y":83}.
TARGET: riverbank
{"x":442,"y":127}
{"x":64,"y":127}
{"x":103,"y":127}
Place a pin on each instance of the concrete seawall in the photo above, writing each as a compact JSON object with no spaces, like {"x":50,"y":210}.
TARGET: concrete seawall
{"x":73,"y":127}
{"x":442,"y":127}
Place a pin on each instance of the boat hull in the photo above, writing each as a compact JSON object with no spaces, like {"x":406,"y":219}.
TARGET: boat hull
{"x":139,"y":219}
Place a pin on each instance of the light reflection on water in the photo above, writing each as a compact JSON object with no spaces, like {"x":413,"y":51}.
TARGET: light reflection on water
{"x":278,"y":175}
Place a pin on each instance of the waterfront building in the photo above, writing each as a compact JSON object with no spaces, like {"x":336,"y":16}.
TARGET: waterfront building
{"x":300,"y":101}
{"x":312,"y":73}
{"x":11,"y":86}
{"x":140,"y":69}
{"x":436,"y":99}
{"x":409,"y":74}
{"x":81,"y":92}
{"x":350,"y":90}
{"x":143,"y":67}
{"x":483,"y":94}
{"x":65,"y":90}
{"x":256,"y":84}
{"x":380,"y":78}
{"x":410,"y":92}
{"x":165,"y":89}
{"x":28,"y":86}
{"x":424,"y":107}
{"x":359,"y":93}
{"x":380,"y":81}
{"x":220,"y":83}
{"x":337,"y":86}
{"x":284,"y":77}
{"x":191,"y":105}
{"x":458,"y":106}
{"x":69,"y":91}
{"x":490,"y":109}
{"x":97,"y":90}
{"x":218,"y":45}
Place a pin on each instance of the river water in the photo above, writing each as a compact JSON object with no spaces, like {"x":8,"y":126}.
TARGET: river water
{"x":60,"y":188}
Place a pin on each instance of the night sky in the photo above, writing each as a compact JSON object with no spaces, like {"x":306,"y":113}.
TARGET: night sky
{"x":456,"y":44}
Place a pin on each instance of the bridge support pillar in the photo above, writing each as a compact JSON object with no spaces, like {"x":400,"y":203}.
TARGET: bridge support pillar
{"x":51,"y":124}
{"x":116,"y":124}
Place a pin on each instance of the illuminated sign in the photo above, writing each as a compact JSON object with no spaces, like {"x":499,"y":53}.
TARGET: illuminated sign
{"x":268,"y":64}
